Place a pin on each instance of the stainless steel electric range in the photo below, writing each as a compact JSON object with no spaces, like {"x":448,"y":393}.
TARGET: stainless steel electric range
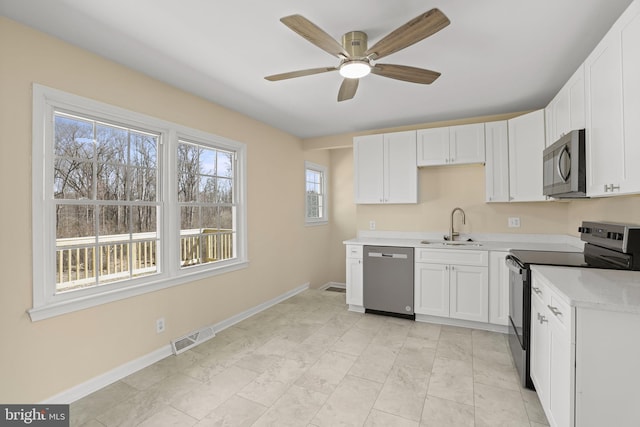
{"x":608,"y":246}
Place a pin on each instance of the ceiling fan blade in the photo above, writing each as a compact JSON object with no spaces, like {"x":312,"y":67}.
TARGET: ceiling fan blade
{"x":300,"y":73}
{"x":412,"y":32}
{"x":405,"y":73}
{"x":314,"y":34}
{"x":348,"y":89}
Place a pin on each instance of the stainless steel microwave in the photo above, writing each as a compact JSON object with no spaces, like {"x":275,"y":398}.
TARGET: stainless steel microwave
{"x":564,"y":167}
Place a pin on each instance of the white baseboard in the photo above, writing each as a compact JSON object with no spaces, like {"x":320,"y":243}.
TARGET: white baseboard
{"x":332,"y":284}
{"x":81,"y":390}
{"x":220,"y":326}
{"x":96,"y":383}
{"x":463,"y":323}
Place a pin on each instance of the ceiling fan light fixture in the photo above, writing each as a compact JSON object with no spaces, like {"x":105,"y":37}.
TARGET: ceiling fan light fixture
{"x":355,"y":69}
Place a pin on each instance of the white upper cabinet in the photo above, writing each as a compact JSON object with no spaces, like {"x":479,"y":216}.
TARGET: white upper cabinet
{"x":385,"y":168}
{"x":433,"y":146}
{"x":497,"y":164}
{"x":631,"y":100}
{"x":526,"y":144}
{"x":612,"y":74}
{"x":566,"y":112}
{"x":453,"y":145}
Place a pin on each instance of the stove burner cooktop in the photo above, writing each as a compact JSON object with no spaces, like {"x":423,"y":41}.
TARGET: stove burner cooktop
{"x":565,"y":259}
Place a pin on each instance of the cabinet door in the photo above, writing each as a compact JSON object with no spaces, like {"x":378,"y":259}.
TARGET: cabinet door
{"x":562,"y":113}
{"x":368,"y":153}
{"x":432,"y":289}
{"x":575,"y":88}
{"x":549,"y":125}
{"x":540,"y":356}
{"x":400,"y":169}
{"x":631,"y":100}
{"x":497,"y":165}
{"x":468,"y":293}
{"x":354,"y":281}
{"x":526,"y":143}
{"x":498,"y":289}
{"x":466,"y":144}
{"x":433,"y":146}
{"x":604,"y":136}
{"x":560,"y":385}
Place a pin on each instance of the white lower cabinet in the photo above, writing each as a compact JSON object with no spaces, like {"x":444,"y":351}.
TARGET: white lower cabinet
{"x":354,"y":276}
{"x":468,"y":293}
{"x":498,"y":289}
{"x":584,"y":360}
{"x":432,"y":289}
{"x":552,"y":353}
{"x":452,"y":283}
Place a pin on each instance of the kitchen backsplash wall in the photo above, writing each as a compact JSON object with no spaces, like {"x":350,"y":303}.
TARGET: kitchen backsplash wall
{"x":441,"y":189}
{"x":614,"y":209}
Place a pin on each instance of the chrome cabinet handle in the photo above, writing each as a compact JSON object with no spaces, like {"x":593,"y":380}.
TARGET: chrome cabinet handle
{"x":536,"y":290}
{"x":542,"y":319}
{"x":555,"y":310}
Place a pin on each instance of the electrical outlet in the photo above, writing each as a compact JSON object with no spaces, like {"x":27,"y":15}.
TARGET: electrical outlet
{"x":160,"y":325}
{"x":514,"y":222}
{"x":372,"y":225}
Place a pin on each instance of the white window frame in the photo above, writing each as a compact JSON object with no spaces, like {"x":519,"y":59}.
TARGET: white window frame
{"x":325,"y":185}
{"x":46,"y":303}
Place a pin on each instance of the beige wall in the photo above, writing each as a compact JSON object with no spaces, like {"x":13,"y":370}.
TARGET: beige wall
{"x":41,"y":359}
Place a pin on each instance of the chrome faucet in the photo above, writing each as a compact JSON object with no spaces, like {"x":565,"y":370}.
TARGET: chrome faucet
{"x":452,"y":233}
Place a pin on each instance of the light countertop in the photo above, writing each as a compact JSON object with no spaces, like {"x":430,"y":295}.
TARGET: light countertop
{"x":613,"y":290}
{"x":485,"y":242}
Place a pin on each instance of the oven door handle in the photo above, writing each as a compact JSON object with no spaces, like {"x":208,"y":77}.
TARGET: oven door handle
{"x":513,"y":265}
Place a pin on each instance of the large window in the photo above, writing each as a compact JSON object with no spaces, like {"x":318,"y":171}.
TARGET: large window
{"x":316,"y":193}
{"x":104,"y":199}
{"x":125,"y":203}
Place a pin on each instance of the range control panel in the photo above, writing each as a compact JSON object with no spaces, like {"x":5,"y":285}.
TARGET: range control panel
{"x":621,"y":237}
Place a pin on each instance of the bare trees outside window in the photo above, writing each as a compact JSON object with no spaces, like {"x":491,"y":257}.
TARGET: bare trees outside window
{"x":125,"y":203}
{"x":105,"y":182}
{"x":206,"y":202}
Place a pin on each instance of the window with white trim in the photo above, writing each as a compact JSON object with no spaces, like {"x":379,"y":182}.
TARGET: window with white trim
{"x":316,"y":193}
{"x":125,"y":203}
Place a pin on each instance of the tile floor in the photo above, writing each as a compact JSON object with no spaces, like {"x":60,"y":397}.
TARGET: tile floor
{"x":310,"y":362}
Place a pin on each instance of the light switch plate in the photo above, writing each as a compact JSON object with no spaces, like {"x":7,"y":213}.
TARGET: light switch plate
{"x":514,"y":222}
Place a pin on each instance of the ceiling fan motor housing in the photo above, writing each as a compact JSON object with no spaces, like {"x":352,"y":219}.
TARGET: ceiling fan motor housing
{"x":355,"y":42}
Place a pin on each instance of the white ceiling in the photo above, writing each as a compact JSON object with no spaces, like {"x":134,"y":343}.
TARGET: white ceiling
{"x":496,"y":56}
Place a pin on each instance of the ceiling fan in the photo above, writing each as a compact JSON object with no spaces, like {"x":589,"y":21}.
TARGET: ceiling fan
{"x":356,"y":60}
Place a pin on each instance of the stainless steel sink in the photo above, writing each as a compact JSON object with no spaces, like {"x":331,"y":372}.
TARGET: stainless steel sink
{"x":449,"y":243}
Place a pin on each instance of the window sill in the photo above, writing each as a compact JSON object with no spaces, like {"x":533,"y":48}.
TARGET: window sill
{"x":315,"y":223}
{"x":87,"y":301}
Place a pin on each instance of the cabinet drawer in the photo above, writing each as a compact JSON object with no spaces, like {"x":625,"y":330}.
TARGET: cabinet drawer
{"x":354,"y":251}
{"x":561,"y":310}
{"x":452,"y":256}
{"x":540,"y":291}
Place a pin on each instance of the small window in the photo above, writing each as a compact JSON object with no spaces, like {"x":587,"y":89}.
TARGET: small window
{"x":316,"y":194}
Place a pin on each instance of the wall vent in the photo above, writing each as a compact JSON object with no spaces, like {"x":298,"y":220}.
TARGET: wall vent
{"x":192,"y":339}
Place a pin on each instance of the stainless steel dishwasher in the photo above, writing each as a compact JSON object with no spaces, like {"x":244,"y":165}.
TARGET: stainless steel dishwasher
{"x":388,"y":281}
